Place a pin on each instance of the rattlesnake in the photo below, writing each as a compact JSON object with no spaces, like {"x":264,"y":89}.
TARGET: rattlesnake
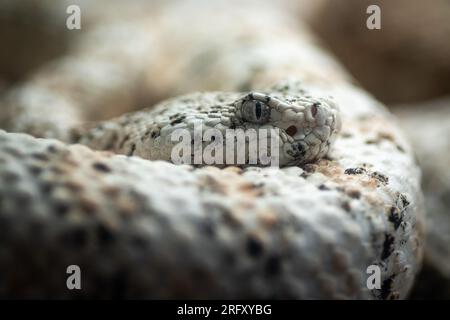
{"x":308,"y":126}
{"x":140,"y":228}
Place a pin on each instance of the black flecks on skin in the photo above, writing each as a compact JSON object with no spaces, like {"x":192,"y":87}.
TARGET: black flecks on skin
{"x":387,"y":247}
{"x":254,"y":247}
{"x":177,"y":120}
{"x":309,"y":168}
{"x":395,"y":217}
{"x":346,"y":206}
{"x":155,"y":134}
{"x":101,"y":167}
{"x":297,"y":150}
{"x":121,"y":144}
{"x":380,"y":177}
{"x":323,"y":187}
{"x":404,"y":200}
{"x":305,"y":175}
{"x":52,"y":149}
{"x":111,"y":141}
{"x":400,"y":148}
{"x":351,"y":171}
{"x":133,"y":149}
{"x":314,"y":108}
{"x":355,"y":194}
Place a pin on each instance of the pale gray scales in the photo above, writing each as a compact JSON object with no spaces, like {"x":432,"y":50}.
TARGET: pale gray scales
{"x":307,"y":126}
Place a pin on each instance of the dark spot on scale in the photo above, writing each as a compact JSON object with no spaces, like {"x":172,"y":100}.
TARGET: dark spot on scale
{"x":34,"y":170}
{"x":323,"y":187}
{"x":355,"y":194}
{"x":254,"y":247}
{"x":380,"y":177}
{"x":314,"y":108}
{"x":40,"y":156}
{"x":154,"y":134}
{"x":400,"y":148}
{"x":133,"y":149}
{"x":101,"y":167}
{"x":292,"y":130}
{"x":346,"y":206}
{"x":273,"y":265}
{"x":267,"y":98}
{"x":177,"y":120}
{"x":52,"y":149}
{"x":352,"y":171}
{"x":305,"y":175}
{"x":310,"y":168}
{"x":387,"y":246}
{"x":404,"y":200}
{"x":395,"y":217}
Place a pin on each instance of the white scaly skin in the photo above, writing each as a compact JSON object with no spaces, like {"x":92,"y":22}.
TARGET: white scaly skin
{"x":307,"y":126}
{"x":147,"y":226}
{"x":142,"y":228}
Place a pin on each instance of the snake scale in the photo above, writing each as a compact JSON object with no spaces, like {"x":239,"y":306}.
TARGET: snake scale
{"x":103,"y":195}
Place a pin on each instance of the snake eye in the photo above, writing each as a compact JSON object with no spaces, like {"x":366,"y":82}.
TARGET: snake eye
{"x":255,"y":111}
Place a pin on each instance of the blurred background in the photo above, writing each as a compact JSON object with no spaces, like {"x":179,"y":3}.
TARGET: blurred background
{"x":405,"y":65}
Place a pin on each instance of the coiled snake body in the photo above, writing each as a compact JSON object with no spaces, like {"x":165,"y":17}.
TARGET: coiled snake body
{"x":152,"y":229}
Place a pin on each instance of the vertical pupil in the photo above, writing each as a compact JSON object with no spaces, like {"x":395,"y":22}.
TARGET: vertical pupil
{"x":258,"y":110}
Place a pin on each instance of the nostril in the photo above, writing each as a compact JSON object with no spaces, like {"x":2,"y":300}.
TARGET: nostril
{"x":292,"y":130}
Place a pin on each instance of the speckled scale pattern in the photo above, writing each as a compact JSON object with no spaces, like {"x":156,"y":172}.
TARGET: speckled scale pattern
{"x":314,"y":124}
{"x":241,"y":224}
{"x":141,"y":228}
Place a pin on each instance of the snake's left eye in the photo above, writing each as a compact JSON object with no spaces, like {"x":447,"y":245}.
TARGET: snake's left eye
{"x":255,"y":111}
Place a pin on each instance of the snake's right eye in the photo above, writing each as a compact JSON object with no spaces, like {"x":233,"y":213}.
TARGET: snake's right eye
{"x":255,"y":111}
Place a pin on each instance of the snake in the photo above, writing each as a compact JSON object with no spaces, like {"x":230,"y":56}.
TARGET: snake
{"x":307,"y":125}
{"x":105,"y":195}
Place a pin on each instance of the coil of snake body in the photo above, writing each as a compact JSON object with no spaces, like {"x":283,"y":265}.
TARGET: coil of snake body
{"x":152,"y":229}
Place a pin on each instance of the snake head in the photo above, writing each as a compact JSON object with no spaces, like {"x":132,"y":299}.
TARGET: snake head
{"x":307,"y":126}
